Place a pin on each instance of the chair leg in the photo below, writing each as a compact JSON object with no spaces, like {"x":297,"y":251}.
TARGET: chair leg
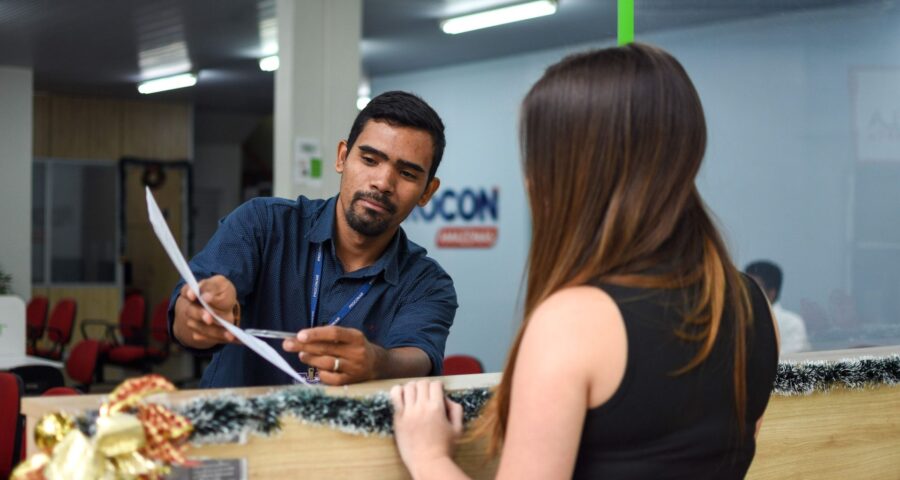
{"x":98,"y":373}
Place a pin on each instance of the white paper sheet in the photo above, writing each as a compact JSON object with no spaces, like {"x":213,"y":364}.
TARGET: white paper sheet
{"x":168,"y":242}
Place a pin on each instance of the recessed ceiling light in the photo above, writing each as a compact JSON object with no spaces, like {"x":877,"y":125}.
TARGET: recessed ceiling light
{"x":269,"y":64}
{"x":499,"y":16}
{"x":168,"y":83}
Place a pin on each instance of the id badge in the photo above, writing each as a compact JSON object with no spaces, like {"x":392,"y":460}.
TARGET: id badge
{"x":311,"y":375}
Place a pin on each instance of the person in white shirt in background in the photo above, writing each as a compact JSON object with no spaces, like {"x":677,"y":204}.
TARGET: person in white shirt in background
{"x":791,"y":326}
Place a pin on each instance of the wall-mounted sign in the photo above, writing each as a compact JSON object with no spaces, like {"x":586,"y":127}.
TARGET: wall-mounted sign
{"x":307,"y":162}
{"x":466,"y":217}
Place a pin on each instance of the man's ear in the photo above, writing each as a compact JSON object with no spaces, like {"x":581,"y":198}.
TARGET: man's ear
{"x":341,"y":160}
{"x":429,"y":191}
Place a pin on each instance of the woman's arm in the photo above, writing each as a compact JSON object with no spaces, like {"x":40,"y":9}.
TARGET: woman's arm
{"x":572,"y":358}
{"x":426,"y":427}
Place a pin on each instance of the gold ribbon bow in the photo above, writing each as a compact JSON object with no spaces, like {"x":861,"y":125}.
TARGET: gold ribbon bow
{"x":126,"y":445}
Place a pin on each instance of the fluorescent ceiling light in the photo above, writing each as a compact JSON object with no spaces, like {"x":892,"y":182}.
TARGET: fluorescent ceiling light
{"x":363,"y":93}
{"x":499,"y":16}
{"x":269,"y":64}
{"x":168,"y":83}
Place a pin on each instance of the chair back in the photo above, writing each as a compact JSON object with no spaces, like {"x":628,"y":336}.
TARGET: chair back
{"x":82,"y":362}
{"x":36,"y":317}
{"x":60,"y":392}
{"x":37,"y":379}
{"x":10,"y":422}
{"x":462,"y":365}
{"x":131,"y":320}
{"x":62,"y":319}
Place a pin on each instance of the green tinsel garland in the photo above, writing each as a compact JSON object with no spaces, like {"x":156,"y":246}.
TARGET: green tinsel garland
{"x":215,"y":418}
{"x":228,"y":416}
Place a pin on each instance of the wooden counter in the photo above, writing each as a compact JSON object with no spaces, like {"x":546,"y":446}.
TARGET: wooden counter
{"x":838,"y":434}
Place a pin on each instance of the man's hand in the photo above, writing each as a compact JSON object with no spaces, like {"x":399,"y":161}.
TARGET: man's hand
{"x":194,"y":326}
{"x":356,"y":359}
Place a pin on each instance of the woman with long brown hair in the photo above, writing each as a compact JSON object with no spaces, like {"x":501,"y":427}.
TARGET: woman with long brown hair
{"x":644,"y":353}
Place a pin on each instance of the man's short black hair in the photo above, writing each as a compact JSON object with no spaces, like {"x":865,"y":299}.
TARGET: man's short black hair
{"x":769,"y":273}
{"x":404,"y":110}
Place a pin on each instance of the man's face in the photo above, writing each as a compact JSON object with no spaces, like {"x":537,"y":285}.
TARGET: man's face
{"x":384,"y":176}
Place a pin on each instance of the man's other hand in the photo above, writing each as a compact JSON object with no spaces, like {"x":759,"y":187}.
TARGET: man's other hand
{"x":194,"y":326}
{"x":342,"y":355}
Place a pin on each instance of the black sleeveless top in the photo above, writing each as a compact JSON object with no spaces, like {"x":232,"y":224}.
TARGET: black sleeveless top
{"x":661,"y":425}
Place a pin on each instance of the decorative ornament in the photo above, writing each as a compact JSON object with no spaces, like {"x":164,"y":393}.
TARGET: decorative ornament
{"x":128,"y":439}
{"x":154,"y":176}
{"x":32,"y":468}
{"x":51,"y":429}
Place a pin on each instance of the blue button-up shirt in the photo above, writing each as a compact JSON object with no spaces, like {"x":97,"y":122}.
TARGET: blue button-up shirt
{"x":267,"y":246}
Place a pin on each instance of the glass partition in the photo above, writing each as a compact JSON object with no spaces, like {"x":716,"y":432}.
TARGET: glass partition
{"x":802,"y":169}
{"x":74,"y":239}
{"x":803,"y":165}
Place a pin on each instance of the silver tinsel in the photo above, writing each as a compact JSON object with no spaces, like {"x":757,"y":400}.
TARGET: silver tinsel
{"x":230,"y":415}
{"x":804,"y":378}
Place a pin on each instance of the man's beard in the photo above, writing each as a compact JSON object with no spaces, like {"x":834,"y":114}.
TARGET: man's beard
{"x":371,"y":223}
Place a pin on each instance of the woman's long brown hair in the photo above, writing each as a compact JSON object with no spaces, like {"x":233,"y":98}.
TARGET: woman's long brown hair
{"x":612,"y":141}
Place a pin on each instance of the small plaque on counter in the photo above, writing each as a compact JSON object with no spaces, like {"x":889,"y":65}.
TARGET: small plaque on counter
{"x":212,"y":469}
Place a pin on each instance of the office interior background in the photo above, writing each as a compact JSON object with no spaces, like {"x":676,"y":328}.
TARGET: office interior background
{"x":802,"y":168}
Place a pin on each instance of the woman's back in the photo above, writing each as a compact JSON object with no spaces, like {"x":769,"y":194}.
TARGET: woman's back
{"x":612,"y":141}
{"x":662,"y":425}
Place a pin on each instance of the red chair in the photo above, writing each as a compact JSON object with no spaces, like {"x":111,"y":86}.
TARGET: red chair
{"x":462,"y":365}
{"x":142,"y":357}
{"x":131,"y":326}
{"x":60,"y":392}
{"x":81,"y":366}
{"x":59,"y":329}
{"x":11,"y":422}
{"x":36,"y":321}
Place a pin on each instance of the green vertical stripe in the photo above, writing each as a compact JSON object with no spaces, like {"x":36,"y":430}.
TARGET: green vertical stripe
{"x":626,"y":21}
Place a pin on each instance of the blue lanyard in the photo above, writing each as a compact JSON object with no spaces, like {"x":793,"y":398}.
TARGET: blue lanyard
{"x":317,"y":284}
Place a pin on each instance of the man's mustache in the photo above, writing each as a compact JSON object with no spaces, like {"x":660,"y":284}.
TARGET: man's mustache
{"x":378,"y":198}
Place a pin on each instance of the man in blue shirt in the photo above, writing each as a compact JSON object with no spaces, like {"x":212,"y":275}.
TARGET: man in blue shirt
{"x":366,"y":302}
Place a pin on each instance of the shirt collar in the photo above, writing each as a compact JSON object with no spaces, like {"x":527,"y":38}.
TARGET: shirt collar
{"x":322,"y":229}
{"x":322,"y":226}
